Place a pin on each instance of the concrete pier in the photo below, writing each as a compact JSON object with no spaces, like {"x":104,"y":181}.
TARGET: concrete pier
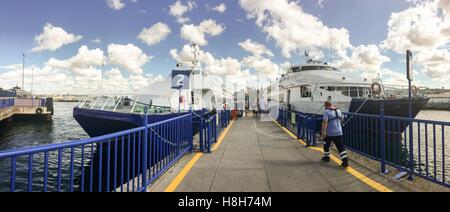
{"x":261,"y":156}
{"x":32,"y":111}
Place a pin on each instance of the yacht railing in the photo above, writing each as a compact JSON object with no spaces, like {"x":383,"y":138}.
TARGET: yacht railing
{"x":126,"y":103}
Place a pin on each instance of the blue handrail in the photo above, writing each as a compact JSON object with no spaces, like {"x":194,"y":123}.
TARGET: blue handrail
{"x":210,"y":129}
{"x":124,"y":161}
{"x":385,"y":139}
{"x":6,"y":103}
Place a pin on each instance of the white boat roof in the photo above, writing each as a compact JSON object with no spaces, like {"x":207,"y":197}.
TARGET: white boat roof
{"x":323,"y":74}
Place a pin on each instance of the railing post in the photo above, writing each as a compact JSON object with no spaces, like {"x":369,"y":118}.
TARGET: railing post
{"x":297,"y":119}
{"x":144,"y":146}
{"x":191,"y":132}
{"x":208,"y":135}
{"x":411,"y":151}
{"x":215,"y":129}
{"x":382,"y":139}
{"x":313,"y":131}
{"x":309,"y":132}
{"x":201,"y":135}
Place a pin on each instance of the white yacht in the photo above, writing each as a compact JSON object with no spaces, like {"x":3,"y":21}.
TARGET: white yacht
{"x":306,"y":87}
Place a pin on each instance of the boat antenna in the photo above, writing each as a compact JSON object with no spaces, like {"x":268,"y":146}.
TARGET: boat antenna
{"x":195,"y":53}
{"x":307,"y":56}
{"x":23,"y":70}
{"x":331,"y":52}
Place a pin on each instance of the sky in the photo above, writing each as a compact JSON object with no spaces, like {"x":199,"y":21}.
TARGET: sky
{"x":66,"y":42}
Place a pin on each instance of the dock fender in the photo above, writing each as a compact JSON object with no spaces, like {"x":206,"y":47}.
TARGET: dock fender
{"x":39,"y":111}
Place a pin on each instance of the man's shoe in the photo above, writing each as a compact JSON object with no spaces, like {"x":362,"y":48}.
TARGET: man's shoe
{"x":345,"y":163}
{"x":326,"y":159}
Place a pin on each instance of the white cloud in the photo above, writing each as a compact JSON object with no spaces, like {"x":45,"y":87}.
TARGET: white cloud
{"x":51,"y":80}
{"x":115,"y":4}
{"x":221,"y":8}
{"x":225,"y":66}
{"x":321,"y":3}
{"x":366,"y":59}
{"x":393,"y":78}
{"x":445,"y":5}
{"x":196,"y":34}
{"x":436,"y":64}
{"x":178,"y":10}
{"x":262,"y":66}
{"x":155,"y":34}
{"x":84,"y":59}
{"x":292,"y":28}
{"x":255,"y":48}
{"x":53,"y":38}
{"x":417,"y":28}
{"x":128,"y":56}
{"x":45,"y":80}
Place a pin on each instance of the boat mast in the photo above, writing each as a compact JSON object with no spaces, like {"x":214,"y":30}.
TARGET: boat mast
{"x":23,"y":71}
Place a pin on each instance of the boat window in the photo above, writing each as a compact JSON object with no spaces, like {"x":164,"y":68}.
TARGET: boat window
{"x":343,"y":90}
{"x":295,"y":69}
{"x":313,"y":68}
{"x":305,"y":92}
{"x":354,"y":92}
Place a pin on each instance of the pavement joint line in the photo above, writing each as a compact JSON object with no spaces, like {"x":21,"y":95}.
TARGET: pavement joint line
{"x":180,"y":177}
{"x":355,"y":173}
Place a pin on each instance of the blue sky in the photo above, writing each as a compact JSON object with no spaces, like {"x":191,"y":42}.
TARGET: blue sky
{"x":22,"y":20}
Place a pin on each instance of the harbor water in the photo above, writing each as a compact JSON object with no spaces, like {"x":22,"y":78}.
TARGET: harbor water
{"x":25,"y":133}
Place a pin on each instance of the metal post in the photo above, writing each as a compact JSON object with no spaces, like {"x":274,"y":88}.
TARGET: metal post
{"x":208,"y":135}
{"x":201,"y":135}
{"x":411,"y":147}
{"x":179,"y":101}
{"x":382,"y":139}
{"x":190,"y":133}
{"x":215,"y":129}
{"x":23,"y":71}
{"x":144,"y":146}
{"x":32,"y":80}
{"x":297,"y":119}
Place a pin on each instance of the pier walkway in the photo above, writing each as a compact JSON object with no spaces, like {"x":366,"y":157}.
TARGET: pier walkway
{"x":261,"y":156}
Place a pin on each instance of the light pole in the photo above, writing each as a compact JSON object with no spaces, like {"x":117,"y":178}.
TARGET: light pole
{"x":32,"y":80}
{"x":23,"y":71}
{"x":409,"y":71}
{"x":101,"y":85}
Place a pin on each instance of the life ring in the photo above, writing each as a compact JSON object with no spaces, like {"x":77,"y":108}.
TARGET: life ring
{"x":39,"y":111}
{"x":414,"y":89}
{"x":376,"y":88}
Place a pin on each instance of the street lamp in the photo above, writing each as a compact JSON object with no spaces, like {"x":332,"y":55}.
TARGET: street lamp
{"x":23,"y":71}
{"x":32,"y":80}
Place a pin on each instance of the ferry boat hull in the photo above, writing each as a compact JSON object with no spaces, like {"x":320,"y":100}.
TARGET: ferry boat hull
{"x":98,"y":123}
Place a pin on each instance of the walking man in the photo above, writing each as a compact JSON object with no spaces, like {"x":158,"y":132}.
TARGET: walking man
{"x":332,"y":133}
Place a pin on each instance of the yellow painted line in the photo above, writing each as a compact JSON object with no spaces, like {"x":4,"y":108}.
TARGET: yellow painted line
{"x":222,"y":137}
{"x":372,"y":183}
{"x":186,"y":169}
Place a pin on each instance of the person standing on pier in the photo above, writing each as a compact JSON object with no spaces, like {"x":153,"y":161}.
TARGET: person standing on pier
{"x":332,"y":133}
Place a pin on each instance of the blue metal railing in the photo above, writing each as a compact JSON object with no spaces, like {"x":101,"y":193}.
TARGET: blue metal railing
{"x":126,"y":161}
{"x":6,"y":103}
{"x":305,"y":126}
{"x":388,"y":140}
{"x":211,"y":128}
{"x":416,"y":147}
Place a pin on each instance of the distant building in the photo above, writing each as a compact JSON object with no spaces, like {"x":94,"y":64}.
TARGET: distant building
{"x":7,"y":93}
{"x":21,"y":93}
{"x":15,"y":92}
